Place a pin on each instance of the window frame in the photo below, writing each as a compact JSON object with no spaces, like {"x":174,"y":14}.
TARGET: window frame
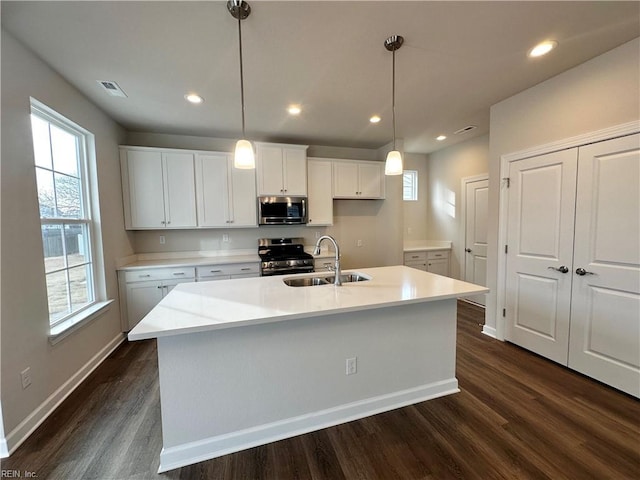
{"x":413,"y":175}
{"x":89,"y":220}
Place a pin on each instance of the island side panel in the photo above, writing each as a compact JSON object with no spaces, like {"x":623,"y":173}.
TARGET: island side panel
{"x":226,"y":390}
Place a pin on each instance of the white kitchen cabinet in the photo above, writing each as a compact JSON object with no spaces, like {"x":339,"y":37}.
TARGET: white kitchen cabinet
{"x":433,"y":261}
{"x":226,"y":271}
{"x":358,"y":179}
{"x":281,"y":169}
{"x":225,"y":196}
{"x":141,"y":290}
{"x":158,"y":188}
{"x":320,"y":198}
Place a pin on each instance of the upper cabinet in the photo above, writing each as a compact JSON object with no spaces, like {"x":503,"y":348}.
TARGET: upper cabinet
{"x":281,"y":169}
{"x":226,"y":196}
{"x":358,"y":179}
{"x":158,"y":188}
{"x":320,"y":192}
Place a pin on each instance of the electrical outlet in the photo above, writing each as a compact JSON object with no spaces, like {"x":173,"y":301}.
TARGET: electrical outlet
{"x":358,"y":243}
{"x":225,"y":237}
{"x":317,"y":235}
{"x":25,"y":376}
{"x":352,"y":366}
{"x":162,"y":240}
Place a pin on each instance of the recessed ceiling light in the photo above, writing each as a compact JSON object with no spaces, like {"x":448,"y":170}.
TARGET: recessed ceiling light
{"x":294,"y":109}
{"x":441,"y":137}
{"x":375,"y":119}
{"x":193,"y":98}
{"x":543,"y":48}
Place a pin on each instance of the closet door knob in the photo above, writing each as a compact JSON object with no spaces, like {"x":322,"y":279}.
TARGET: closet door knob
{"x":582,"y":272}
{"x":561,"y":269}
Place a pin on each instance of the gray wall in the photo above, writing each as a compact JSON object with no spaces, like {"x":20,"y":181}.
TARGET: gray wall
{"x":25,"y":321}
{"x":446,"y":169}
{"x":597,"y":94}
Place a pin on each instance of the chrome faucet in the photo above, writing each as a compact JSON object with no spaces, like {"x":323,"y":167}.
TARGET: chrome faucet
{"x":336,"y":268}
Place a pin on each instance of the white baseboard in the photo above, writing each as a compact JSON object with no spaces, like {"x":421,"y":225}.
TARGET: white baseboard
{"x":19,"y":434}
{"x":490,"y":331}
{"x":4,"y":451}
{"x":212,"y":447}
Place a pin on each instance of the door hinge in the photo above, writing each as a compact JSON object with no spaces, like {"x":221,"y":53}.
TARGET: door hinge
{"x":504,"y":312}
{"x":506,"y":249}
{"x":507,"y":180}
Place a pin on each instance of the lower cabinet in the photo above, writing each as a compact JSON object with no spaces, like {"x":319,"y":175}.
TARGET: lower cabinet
{"x":227,"y":271}
{"x":433,"y":261}
{"x":141,"y":290}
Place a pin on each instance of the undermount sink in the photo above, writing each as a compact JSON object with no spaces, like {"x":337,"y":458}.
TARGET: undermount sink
{"x":348,"y":277}
{"x":305,"y":282}
{"x":324,"y":280}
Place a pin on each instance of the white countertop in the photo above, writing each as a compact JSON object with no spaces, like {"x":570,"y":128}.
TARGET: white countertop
{"x":204,"y":306}
{"x":189,"y":261}
{"x":426,"y":245}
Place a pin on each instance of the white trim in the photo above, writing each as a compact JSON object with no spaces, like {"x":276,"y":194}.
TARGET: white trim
{"x":212,"y":447}
{"x":4,"y":451}
{"x":64,"y":329}
{"x":489,"y":331}
{"x":19,"y":434}
{"x":621,"y":130}
{"x":463,"y":219}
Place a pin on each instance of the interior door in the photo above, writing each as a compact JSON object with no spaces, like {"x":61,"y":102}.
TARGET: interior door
{"x":476,"y":209}
{"x":540,"y":251}
{"x":605,"y":324}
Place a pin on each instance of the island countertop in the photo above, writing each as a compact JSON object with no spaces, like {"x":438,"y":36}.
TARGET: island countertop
{"x":204,"y":306}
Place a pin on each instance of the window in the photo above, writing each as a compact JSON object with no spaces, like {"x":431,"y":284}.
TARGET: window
{"x":410,"y":185}
{"x":67,"y":226}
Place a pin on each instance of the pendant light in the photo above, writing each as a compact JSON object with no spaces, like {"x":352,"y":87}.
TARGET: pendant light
{"x":393,"y":165}
{"x":244,"y":157}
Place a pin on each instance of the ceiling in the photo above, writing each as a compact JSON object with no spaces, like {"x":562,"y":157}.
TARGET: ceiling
{"x":458,"y":59}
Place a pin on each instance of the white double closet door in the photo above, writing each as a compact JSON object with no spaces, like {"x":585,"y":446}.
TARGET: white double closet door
{"x":573,"y":260}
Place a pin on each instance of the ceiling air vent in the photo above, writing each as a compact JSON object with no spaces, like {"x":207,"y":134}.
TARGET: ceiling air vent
{"x":112,"y":88}
{"x":466,"y":129}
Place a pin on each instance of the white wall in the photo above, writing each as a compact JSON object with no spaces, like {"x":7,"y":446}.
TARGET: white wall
{"x":597,"y":94}
{"x":415,"y":213}
{"x":25,"y":322}
{"x":378,"y":223}
{"x":446,"y":169}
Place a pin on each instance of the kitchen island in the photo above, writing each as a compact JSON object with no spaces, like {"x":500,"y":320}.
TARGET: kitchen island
{"x":249,"y":361}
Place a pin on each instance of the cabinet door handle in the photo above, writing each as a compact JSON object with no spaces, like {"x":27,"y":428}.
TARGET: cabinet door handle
{"x":215,"y":271}
{"x":144,"y":276}
{"x":245,"y":269}
{"x":178,"y":273}
{"x":163,"y":222}
{"x":415,"y":256}
{"x":160,"y":286}
{"x":468,"y":250}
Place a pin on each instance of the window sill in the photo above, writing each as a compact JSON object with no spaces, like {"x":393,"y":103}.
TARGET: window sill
{"x":64,"y":329}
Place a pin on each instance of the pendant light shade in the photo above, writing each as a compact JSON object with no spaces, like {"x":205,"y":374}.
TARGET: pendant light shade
{"x":393,"y":165}
{"x":243,"y":157}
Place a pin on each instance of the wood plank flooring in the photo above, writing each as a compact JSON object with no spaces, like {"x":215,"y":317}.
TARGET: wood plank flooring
{"x":517,"y":416}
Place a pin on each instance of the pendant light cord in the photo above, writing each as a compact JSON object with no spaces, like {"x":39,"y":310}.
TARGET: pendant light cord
{"x":241,"y":72}
{"x":393,"y":96}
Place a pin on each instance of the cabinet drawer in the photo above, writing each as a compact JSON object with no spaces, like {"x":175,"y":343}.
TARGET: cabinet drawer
{"x":414,"y":256}
{"x":210,"y":271}
{"x":159,"y":274}
{"x":438,"y":254}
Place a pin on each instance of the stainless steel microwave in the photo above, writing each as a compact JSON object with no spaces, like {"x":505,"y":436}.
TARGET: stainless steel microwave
{"x":282,"y":210}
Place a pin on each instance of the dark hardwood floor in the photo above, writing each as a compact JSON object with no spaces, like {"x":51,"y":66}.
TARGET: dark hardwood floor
{"x":517,"y":416}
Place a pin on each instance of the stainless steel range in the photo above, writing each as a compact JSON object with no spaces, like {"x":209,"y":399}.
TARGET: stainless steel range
{"x":283,"y":256}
